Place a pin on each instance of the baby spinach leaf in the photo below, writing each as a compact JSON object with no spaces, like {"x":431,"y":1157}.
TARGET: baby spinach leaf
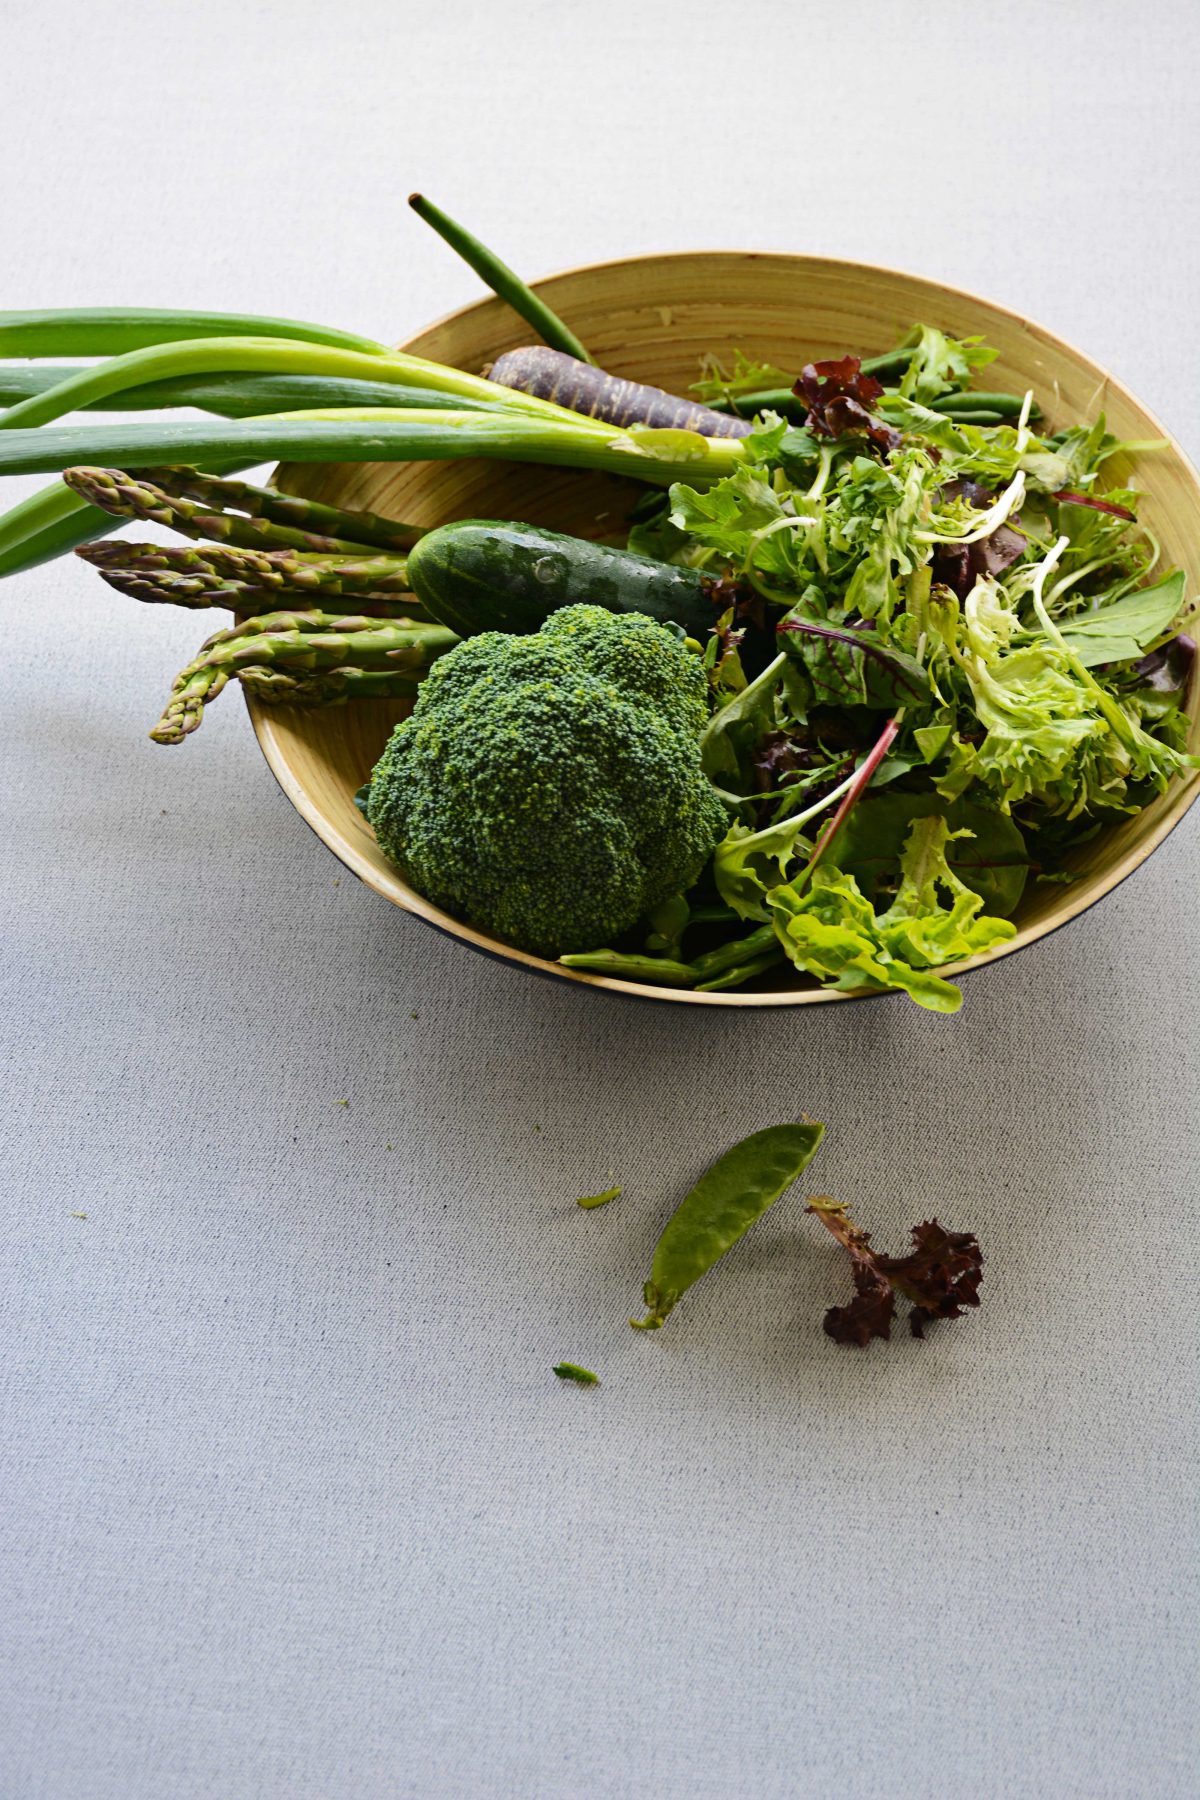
{"x":1124,"y":628}
{"x":1158,"y":683}
{"x":850,"y":667}
{"x":728,"y":740}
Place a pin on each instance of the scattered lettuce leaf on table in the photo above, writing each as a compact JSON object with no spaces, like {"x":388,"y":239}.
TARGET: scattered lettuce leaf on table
{"x":940,"y":1276}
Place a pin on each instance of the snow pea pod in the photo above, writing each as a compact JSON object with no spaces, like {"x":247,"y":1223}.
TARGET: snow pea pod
{"x":722,"y":1207}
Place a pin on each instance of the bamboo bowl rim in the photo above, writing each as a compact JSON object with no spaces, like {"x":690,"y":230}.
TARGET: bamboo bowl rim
{"x":387,"y":883}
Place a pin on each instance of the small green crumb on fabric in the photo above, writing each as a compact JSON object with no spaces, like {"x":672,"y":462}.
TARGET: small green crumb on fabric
{"x":590,"y":1201}
{"x":573,"y":1372}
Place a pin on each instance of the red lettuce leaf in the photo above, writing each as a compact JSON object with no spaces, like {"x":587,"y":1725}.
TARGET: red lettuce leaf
{"x":940,"y":1277}
{"x":959,"y":566}
{"x":1167,"y":669}
{"x":839,"y":398}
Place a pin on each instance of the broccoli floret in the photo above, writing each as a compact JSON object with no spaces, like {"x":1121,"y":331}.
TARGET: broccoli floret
{"x":548,"y":789}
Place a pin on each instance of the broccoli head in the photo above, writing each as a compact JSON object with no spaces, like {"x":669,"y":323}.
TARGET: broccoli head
{"x":548,"y":788}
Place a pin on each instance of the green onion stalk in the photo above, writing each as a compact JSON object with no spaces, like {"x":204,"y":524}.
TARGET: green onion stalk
{"x":252,"y":355}
{"x":378,"y":435}
{"x":514,"y":426}
{"x":112,"y":330}
{"x":232,"y":396}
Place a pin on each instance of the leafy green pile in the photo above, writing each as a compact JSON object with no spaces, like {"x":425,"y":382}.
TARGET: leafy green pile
{"x":958,"y":614}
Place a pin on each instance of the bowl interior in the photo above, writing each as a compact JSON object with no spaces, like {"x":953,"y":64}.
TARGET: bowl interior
{"x":653,"y":318}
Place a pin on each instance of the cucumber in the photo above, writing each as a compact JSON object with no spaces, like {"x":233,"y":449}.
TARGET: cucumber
{"x":488,"y":575}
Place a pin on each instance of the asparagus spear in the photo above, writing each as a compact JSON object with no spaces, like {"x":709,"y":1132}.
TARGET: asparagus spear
{"x":314,"y":516}
{"x":166,"y":589}
{"x":54,"y":520}
{"x":135,"y":497}
{"x":386,"y":647}
{"x":307,"y":619}
{"x":382,"y":643}
{"x":172,"y":590}
{"x":276,"y":568}
{"x":333,"y":687}
{"x":189,"y":696}
{"x":279,"y":687}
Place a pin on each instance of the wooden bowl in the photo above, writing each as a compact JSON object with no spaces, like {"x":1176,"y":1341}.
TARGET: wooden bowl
{"x":653,"y":318}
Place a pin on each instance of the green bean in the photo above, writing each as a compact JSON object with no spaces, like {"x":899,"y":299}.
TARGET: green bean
{"x":965,"y":409}
{"x":502,"y":280}
{"x":787,"y":402}
{"x":664,"y":971}
{"x":713,"y":915}
{"x":722,"y":1207}
{"x":966,"y":416}
{"x":727,"y":956}
{"x":778,"y":400}
{"x":111,"y":330}
{"x":740,"y":973}
{"x":973,"y":400}
{"x":892,"y":362}
{"x":660,"y":970}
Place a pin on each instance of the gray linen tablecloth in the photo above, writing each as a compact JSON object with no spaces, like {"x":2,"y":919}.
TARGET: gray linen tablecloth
{"x":291,"y":1503}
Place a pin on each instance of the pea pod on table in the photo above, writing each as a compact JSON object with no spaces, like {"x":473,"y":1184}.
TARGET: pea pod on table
{"x":721,"y":1208}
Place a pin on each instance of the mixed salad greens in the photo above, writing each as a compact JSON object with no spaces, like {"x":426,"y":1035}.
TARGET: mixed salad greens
{"x":882,"y":648}
{"x":964,"y":609}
